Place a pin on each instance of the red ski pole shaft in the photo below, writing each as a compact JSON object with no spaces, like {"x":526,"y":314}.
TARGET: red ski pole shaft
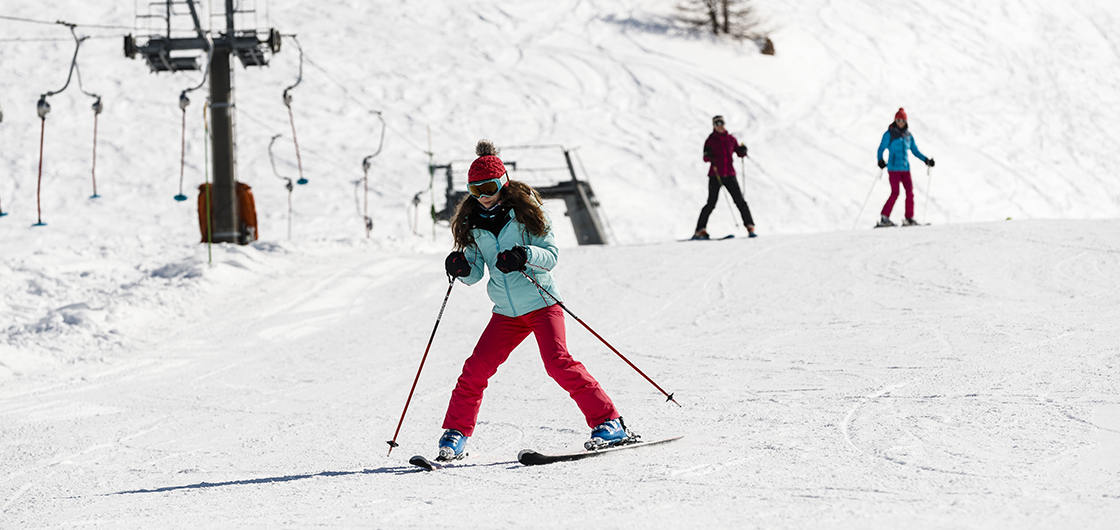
{"x":39,"y":188}
{"x":393,"y":443}
{"x":93,"y":173}
{"x":604,"y":341}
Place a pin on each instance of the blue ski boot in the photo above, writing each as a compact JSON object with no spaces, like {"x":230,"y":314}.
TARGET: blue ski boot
{"x":452,"y":445}
{"x":609,"y":433}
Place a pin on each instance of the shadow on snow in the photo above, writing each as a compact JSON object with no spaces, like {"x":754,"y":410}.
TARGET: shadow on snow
{"x":395,"y":470}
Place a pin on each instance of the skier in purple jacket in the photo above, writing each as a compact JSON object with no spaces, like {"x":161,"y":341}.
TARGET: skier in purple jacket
{"x":718,"y":149}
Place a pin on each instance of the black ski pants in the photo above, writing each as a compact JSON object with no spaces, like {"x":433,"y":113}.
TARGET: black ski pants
{"x":732,"y":186}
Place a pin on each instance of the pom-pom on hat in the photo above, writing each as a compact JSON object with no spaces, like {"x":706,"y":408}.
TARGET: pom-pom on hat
{"x":901,"y":114}
{"x":487,"y":166}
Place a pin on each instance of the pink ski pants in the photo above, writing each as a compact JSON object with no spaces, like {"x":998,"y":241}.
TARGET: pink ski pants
{"x":900,"y":177}
{"x":500,"y":337}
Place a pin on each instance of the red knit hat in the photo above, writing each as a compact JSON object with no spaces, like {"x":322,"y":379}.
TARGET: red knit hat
{"x":901,"y":114}
{"x":487,"y":166}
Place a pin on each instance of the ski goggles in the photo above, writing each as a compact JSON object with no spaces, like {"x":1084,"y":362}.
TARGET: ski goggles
{"x":487,"y":188}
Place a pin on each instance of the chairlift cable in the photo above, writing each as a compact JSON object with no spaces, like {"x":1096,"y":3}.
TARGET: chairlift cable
{"x":288,"y":181}
{"x":366,"y":164}
{"x":62,"y":22}
{"x":363,"y":105}
{"x":291,"y":118}
{"x":43,"y":108}
{"x":97,"y":107}
{"x":184,"y":102}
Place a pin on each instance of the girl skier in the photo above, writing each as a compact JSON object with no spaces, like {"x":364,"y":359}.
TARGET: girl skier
{"x":898,"y":140}
{"x":501,"y":227}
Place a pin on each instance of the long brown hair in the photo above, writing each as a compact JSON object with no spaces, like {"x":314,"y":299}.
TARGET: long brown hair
{"x":522,"y":198}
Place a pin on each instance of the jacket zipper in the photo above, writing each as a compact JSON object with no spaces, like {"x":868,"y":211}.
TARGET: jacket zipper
{"x":505,"y":282}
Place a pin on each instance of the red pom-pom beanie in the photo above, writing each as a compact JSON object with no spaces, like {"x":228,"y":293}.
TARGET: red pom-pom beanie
{"x":487,"y":166}
{"x":901,"y":114}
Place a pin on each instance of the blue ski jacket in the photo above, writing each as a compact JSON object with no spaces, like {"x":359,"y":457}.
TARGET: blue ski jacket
{"x":513,"y":294}
{"x":898,"y":141}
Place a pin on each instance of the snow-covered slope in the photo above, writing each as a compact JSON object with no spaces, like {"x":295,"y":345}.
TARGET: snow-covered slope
{"x":960,"y":375}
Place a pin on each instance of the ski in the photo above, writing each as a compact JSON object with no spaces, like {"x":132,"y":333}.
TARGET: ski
{"x":728,"y":236}
{"x":422,"y":462}
{"x":892,"y":225}
{"x":530,"y":457}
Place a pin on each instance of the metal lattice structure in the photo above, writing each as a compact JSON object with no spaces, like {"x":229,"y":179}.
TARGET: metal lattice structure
{"x":578,"y":197}
{"x":176,"y":41}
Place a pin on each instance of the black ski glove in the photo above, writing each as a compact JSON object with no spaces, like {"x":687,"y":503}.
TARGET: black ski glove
{"x":741,"y":150}
{"x":929,"y":162}
{"x":882,"y":163}
{"x":457,"y":265}
{"x":512,"y":260}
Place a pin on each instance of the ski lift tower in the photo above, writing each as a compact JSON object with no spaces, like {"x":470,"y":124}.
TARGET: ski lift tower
{"x":174,"y":49}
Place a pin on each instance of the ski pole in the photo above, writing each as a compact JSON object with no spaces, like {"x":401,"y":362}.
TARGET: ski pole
{"x":393,"y":443}
{"x":743,"y":175}
{"x":604,"y":341}
{"x":860,"y":214}
{"x":929,"y":182}
{"x":727,"y":202}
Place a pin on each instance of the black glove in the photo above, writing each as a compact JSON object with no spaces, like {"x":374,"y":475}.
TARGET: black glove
{"x":929,"y":162}
{"x":882,"y":163}
{"x":512,"y":260}
{"x":741,"y":150}
{"x":457,"y":265}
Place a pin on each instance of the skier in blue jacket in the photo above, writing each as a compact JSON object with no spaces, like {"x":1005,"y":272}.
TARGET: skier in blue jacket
{"x":502,"y":228}
{"x":897,"y":141}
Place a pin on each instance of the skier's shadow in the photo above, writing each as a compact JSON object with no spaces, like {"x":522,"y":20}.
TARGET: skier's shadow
{"x":395,"y":470}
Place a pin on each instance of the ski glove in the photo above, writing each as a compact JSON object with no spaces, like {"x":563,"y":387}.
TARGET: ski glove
{"x":457,"y":265}
{"x":512,"y":260}
{"x":741,"y":150}
{"x":882,"y":163}
{"x":929,"y":162}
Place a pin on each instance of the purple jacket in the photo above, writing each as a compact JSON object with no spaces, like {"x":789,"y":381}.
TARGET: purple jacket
{"x":718,"y":149}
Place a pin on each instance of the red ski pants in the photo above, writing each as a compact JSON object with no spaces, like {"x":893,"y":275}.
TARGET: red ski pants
{"x":900,"y":177}
{"x":500,"y":337}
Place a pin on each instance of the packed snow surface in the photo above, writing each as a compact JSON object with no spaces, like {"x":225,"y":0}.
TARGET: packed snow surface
{"x":958,"y":375}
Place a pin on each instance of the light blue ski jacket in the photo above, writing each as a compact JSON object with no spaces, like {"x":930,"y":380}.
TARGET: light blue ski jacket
{"x":898,"y":142}
{"x":513,"y":294}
